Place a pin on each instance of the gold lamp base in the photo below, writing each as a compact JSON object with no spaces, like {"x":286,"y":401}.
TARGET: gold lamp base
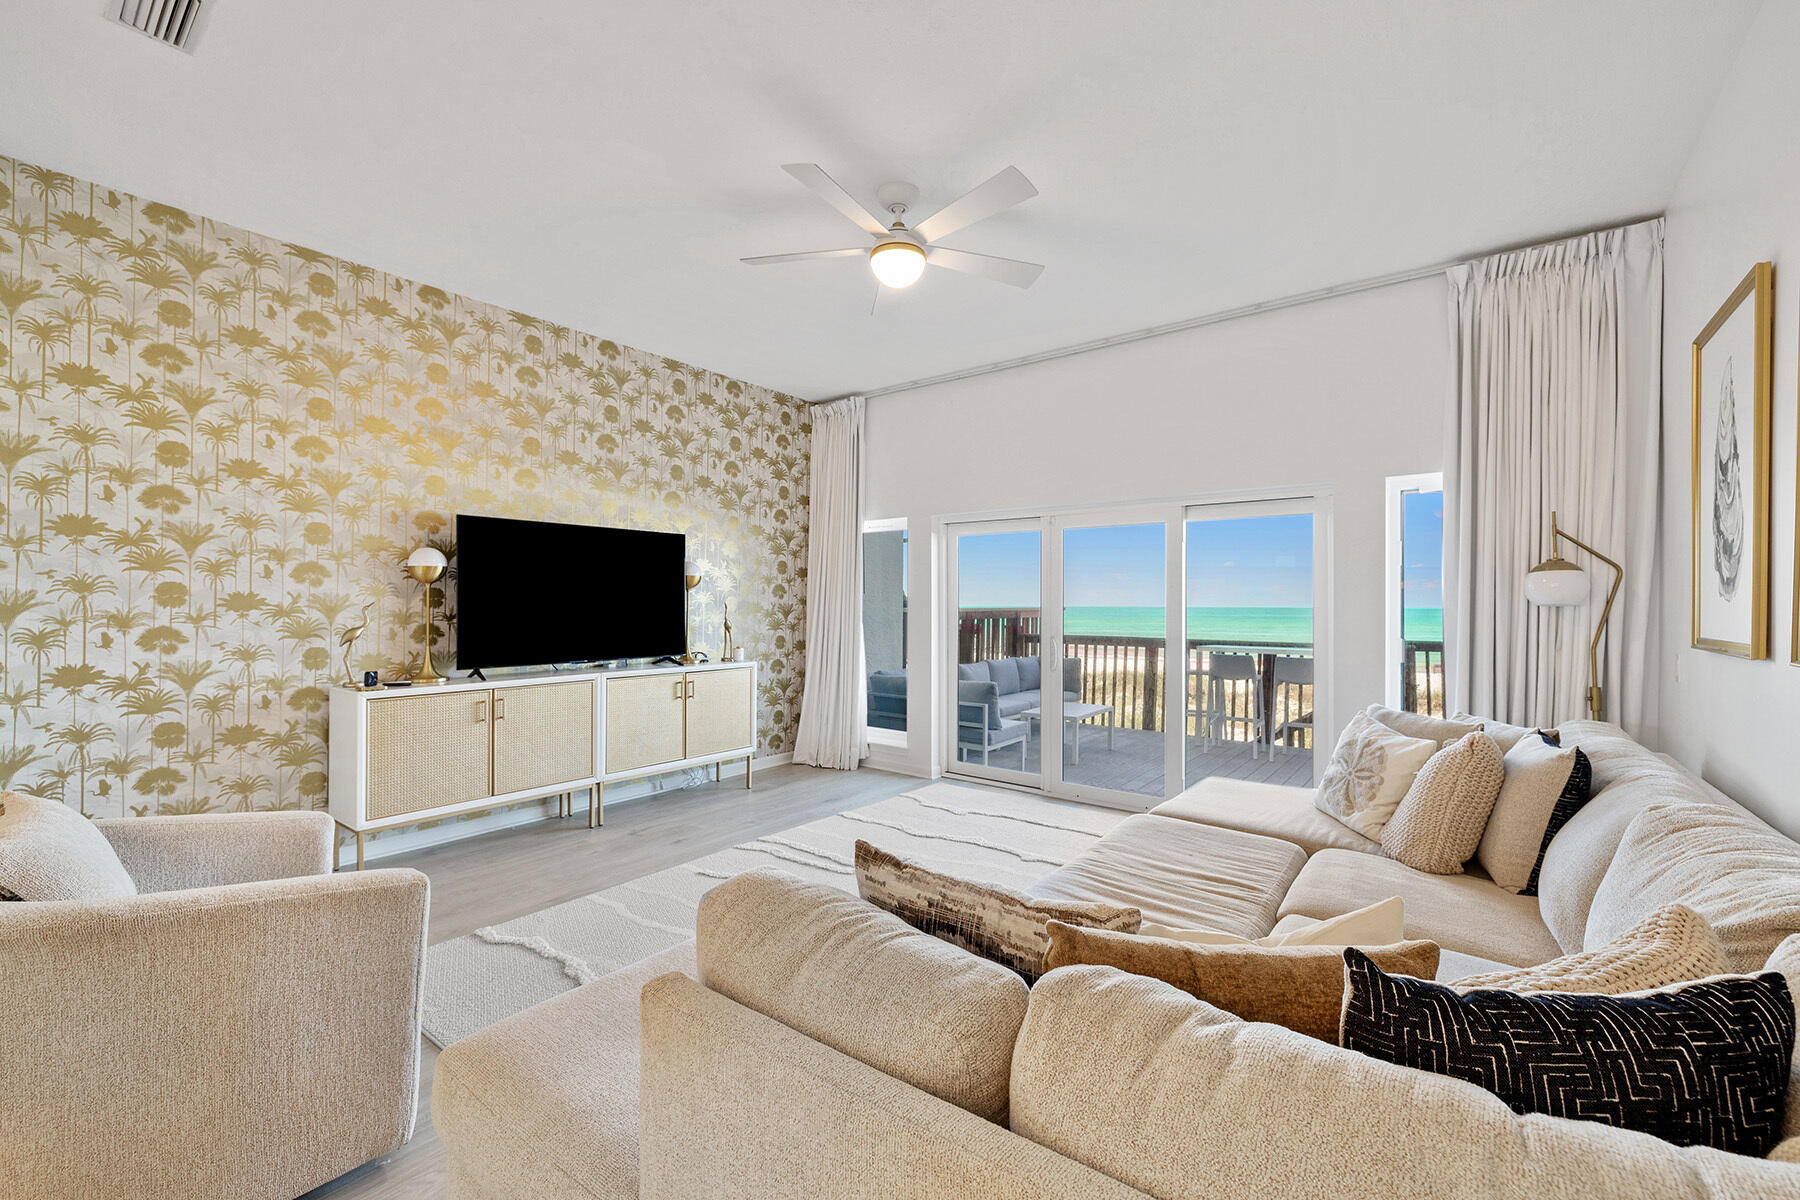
{"x":426,"y":564}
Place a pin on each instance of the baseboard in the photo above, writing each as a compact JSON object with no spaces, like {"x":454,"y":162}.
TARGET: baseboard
{"x":408,"y":838}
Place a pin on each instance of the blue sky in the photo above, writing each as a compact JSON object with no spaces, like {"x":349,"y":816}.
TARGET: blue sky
{"x":1422,"y":537}
{"x":1246,"y":562}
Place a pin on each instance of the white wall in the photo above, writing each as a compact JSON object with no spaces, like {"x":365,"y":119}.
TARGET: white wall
{"x":1738,"y":202}
{"x":1335,"y":395}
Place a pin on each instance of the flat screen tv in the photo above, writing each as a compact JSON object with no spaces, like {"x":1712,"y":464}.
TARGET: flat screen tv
{"x":529,"y":593}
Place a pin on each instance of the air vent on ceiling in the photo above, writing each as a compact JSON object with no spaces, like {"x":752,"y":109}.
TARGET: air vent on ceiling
{"x":169,"y":21}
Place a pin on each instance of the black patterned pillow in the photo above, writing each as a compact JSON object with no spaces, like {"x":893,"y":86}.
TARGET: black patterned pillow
{"x":1576,"y":792}
{"x":1703,"y":1064}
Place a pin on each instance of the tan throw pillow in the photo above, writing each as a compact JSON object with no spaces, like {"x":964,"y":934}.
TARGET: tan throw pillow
{"x":1380,"y":924}
{"x":1672,"y":945}
{"x":1369,"y":773}
{"x":994,"y":922}
{"x":1420,"y":725}
{"x":1439,"y":824}
{"x":48,"y":851}
{"x":1301,"y":987}
{"x":1505,"y":736}
{"x":1545,"y":786}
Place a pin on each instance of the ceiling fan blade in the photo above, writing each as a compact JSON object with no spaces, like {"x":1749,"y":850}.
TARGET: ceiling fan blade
{"x":815,"y":178}
{"x":998,"y":194}
{"x":764,"y":260}
{"x":1006,"y":270}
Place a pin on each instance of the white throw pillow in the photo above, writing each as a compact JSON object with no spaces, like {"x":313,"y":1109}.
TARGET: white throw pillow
{"x":1380,"y":924}
{"x":1369,"y":774}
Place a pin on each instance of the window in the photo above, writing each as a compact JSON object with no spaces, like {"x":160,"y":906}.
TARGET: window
{"x":884,"y":627}
{"x":1415,"y":593}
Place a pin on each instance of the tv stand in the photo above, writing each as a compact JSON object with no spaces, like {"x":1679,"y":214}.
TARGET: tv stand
{"x":476,"y":674}
{"x":404,"y":756}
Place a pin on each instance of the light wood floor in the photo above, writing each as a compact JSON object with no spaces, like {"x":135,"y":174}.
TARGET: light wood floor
{"x":498,"y":876}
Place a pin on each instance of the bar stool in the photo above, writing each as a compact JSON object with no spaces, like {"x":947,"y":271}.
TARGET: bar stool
{"x":1223,"y":670}
{"x":1295,"y":673}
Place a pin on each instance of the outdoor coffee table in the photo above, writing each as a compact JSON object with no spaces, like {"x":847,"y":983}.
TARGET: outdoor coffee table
{"x":1073,"y":715}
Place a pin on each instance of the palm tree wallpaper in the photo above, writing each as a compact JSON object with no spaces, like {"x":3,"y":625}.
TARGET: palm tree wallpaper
{"x":217,"y":448}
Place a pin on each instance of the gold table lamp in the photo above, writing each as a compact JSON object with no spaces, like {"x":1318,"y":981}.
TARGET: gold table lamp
{"x":1558,"y":583}
{"x":691,"y":573}
{"x":426,"y":564}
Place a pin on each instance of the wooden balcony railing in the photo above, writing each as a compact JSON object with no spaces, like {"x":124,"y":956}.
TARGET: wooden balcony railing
{"x":1127,"y":673}
{"x":1422,"y":677}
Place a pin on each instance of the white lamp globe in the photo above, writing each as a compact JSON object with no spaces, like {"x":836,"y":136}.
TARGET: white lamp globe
{"x":1556,"y":583}
{"x":427,"y":556}
{"x":897,"y":264}
{"x":690,"y":567}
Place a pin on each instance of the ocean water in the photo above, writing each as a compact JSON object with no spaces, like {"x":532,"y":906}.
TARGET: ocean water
{"x":1231,"y":624}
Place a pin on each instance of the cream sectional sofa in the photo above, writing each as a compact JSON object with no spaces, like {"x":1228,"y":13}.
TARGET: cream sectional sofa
{"x":811,"y":1045}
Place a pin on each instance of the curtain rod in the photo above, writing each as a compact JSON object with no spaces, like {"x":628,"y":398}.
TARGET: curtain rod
{"x":1230,"y":314}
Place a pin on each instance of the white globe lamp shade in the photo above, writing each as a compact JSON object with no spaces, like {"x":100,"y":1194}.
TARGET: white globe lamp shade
{"x":897,"y":264}
{"x":427,"y":556}
{"x":1556,"y":583}
{"x":690,"y":567}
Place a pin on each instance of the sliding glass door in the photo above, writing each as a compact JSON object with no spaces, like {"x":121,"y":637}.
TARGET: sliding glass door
{"x":1120,"y":655}
{"x":996,"y":670}
{"x":1252,"y":642}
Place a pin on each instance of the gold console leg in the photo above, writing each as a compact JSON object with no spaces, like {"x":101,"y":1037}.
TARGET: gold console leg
{"x":596,"y":806}
{"x":748,"y":760}
{"x":359,"y":850}
{"x":718,"y":772}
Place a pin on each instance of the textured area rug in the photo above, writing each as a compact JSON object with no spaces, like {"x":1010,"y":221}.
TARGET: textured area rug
{"x":979,"y":833}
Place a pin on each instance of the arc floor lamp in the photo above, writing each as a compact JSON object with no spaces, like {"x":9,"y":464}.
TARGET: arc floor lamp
{"x":1558,"y":583}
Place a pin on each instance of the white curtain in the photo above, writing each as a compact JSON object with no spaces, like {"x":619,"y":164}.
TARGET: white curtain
{"x":1558,"y":377}
{"x":834,"y":705}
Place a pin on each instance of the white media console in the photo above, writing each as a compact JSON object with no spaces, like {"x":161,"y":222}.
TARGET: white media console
{"x":404,"y":755}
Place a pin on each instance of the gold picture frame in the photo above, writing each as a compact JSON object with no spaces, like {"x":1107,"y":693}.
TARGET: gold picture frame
{"x":1732,"y":531}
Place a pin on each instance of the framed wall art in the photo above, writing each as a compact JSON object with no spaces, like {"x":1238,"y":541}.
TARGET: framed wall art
{"x":1731,"y":455}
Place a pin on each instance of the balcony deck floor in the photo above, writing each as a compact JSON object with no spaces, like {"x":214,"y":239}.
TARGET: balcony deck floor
{"x":1135,"y":762}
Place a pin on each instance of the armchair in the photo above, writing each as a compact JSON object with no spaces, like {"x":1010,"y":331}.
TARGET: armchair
{"x":247,"y":1025}
{"x":979,"y":726}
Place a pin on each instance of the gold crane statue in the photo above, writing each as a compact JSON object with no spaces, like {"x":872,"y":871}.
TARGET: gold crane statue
{"x":348,"y":640}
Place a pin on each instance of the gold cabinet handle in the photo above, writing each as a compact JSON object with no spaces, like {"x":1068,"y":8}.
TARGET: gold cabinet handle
{"x":690,"y":689}
{"x":499,"y":708}
{"x":678,"y":689}
{"x":480,"y":711}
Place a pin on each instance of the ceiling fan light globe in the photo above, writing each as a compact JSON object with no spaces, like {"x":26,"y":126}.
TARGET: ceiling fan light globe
{"x":897,"y":264}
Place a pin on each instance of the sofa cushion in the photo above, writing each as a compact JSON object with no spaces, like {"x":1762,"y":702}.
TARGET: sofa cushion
{"x":1627,"y":778}
{"x":48,"y":851}
{"x":1181,"y":874}
{"x":1377,"y":925}
{"x":1786,"y":959}
{"x":1439,"y":823}
{"x":1465,"y":913}
{"x":1297,"y":987}
{"x":975,"y":672}
{"x":1031,"y":673}
{"x":1545,"y":786}
{"x":1422,"y":725}
{"x":1739,"y":874}
{"x":1700,"y":1064}
{"x":1005,"y":674}
{"x":1162,"y":1091}
{"x":550,"y":1095}
{"x":1014,"y":703}
{"x":1505,"y":735}
{"x":998,"y":923}
{"x":1368,"y":775}
{"x":1670,"y":946}
{"x":865,"y":983}
{"x":1270,"y":809}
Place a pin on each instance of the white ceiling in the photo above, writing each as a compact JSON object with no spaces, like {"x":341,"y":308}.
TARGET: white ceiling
{"x":604,"y":163}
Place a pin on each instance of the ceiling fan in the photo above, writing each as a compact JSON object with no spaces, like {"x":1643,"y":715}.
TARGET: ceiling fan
{"x":902,"y":252}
